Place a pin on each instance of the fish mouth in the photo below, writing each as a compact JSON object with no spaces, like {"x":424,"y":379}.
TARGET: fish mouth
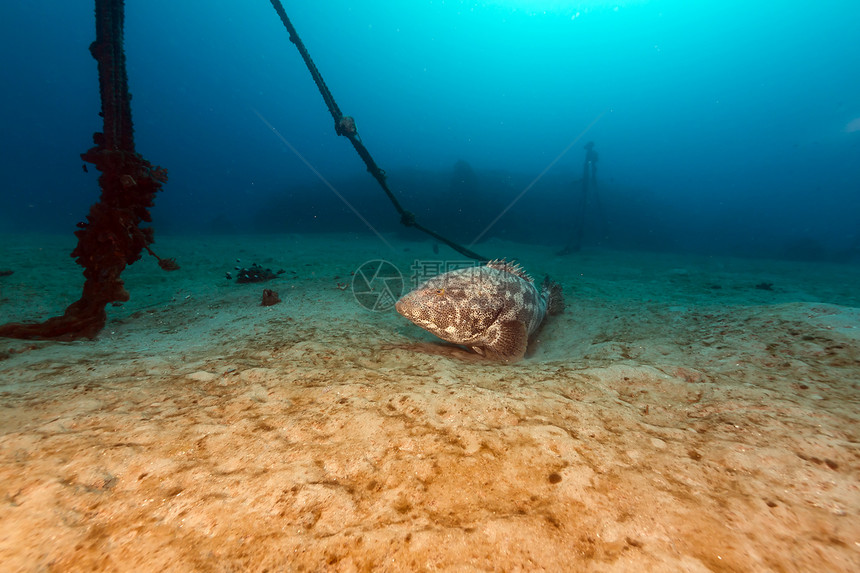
{"x":407,"y":308}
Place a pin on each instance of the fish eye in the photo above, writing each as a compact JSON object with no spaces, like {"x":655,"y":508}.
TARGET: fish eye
{"x":440,"y":291}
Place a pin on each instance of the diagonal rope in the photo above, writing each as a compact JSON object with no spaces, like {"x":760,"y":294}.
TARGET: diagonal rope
{"x":345,"y":126}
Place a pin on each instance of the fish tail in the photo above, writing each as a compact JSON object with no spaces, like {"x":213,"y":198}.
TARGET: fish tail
{"x":554,"y":297}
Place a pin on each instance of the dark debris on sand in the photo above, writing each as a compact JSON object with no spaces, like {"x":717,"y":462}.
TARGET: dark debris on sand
{"x":256,"y":274}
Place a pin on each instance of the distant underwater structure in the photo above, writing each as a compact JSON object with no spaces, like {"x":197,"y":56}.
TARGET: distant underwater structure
{"x":588,"y":194}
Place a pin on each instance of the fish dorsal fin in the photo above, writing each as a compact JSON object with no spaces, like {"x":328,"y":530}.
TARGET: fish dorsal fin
{"x":509,"y":267}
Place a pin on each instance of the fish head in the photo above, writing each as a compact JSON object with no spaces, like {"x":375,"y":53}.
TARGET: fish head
{"x":455,"y":306}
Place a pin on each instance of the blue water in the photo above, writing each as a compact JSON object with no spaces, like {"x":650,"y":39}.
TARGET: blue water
{"x":721,"y":127}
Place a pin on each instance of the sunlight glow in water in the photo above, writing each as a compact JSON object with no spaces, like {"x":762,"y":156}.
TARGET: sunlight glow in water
{"x":574,"y":9}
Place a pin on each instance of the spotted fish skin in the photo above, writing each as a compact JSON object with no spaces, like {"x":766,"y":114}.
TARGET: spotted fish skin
{"x":493,"y":309}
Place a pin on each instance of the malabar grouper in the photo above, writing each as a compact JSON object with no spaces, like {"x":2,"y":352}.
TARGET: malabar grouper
{"x":494,"y":309}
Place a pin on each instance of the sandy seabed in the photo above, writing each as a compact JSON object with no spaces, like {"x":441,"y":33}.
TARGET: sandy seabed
{"x":675,"y":418}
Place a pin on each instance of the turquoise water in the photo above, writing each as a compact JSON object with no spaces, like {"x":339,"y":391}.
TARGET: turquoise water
{"x":721,"y":127}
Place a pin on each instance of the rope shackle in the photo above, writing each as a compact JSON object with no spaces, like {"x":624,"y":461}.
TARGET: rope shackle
{"x":346,"y":126}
